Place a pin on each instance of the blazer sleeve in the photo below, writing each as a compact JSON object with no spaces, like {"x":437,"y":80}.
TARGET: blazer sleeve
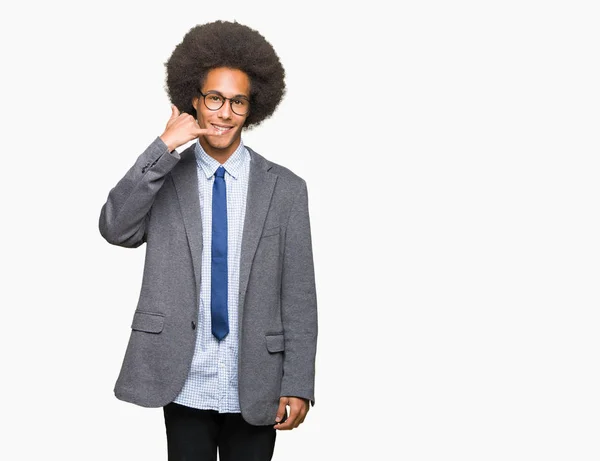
{"x":299,"y":303}
{"x":125,"y":214}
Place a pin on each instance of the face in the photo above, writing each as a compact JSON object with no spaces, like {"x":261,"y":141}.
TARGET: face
{"x":230,"y":83}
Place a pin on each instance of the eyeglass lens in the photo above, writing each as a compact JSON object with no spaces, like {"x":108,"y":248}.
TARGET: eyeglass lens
{"x":239,"y":106}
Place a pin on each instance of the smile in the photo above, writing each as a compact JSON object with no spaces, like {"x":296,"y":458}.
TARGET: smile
{"x":222,"y":129}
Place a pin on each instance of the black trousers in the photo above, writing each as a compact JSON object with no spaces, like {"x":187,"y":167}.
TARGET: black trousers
{"x":195,"y":435}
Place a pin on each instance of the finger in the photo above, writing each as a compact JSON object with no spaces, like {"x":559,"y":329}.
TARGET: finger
{"x":281,"y":409}
{"x":292,"y":420}
{"x":302,"y":418}
{"x":207,"y":132}
{"x":300,"y":414}
{"x":288,"y":424}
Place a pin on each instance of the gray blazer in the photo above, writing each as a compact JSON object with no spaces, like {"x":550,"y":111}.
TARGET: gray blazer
{"x":157,"y":202}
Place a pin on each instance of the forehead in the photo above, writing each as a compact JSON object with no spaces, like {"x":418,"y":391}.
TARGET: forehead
{"x":228,"y":82}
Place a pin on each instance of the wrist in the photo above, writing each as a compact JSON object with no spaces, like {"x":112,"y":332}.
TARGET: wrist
{"x":170,"y":144}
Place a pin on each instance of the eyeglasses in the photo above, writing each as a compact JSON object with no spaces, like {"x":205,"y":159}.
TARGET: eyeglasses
{"x":214,"y":101}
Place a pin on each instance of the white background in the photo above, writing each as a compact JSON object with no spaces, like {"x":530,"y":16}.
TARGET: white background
{"x":451,"y":154}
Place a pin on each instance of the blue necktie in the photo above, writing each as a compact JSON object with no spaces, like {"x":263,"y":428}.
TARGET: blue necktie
{"x":218,"y":284}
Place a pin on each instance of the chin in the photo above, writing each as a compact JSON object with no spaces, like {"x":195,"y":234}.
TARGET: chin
{"x":221,"y":144}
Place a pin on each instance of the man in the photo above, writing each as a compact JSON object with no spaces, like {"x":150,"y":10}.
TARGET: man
{"x":224,"y":333}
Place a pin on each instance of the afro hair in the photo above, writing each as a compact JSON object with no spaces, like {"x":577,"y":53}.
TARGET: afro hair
{"x":226,"y":44}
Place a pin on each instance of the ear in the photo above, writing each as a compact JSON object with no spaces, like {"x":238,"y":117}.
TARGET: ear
{"x":195,"y":103}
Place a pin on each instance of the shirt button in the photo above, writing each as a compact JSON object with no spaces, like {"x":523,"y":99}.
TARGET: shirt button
{"x":193,"y":325}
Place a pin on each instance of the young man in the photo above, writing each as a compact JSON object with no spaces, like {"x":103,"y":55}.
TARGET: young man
{"x":224,"y":333}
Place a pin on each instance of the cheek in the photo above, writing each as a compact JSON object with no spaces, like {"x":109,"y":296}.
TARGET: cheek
{"x":201,"y":117}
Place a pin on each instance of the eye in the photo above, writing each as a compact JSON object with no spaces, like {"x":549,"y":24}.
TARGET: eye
{"x":214,"y":97}
{"x":239,"y":102}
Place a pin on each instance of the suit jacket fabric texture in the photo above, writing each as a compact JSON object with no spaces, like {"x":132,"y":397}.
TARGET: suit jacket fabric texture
{"x":156,"y":203}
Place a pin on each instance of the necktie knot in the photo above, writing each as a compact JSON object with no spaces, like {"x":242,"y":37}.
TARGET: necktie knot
{"x":220,"y":173}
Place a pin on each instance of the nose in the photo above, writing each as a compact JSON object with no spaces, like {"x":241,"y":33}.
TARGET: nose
{"x":225,"y":110}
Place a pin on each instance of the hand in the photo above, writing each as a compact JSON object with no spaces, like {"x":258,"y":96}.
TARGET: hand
{"x":182,"y":128}
{"x":298,"y":410}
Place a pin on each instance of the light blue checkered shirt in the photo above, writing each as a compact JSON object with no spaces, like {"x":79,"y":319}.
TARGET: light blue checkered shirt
{"x":212,"y":382}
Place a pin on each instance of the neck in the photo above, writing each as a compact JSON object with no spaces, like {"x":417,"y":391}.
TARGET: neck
{"x":220,"y":155}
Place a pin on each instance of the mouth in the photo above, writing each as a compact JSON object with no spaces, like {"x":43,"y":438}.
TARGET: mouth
{"x":222,"y":129}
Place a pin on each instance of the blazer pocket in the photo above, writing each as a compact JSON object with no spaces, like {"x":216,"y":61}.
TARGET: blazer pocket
{"x":270,"y":231}
{"x":150,"y":322}
{"x":275,"y":343}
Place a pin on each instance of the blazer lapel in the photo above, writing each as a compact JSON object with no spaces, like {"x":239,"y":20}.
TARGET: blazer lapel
{"x":261,"y":184}
{"x":185,"y":178}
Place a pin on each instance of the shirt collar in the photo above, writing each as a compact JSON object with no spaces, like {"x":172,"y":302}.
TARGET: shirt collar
{"x":209,"y":165}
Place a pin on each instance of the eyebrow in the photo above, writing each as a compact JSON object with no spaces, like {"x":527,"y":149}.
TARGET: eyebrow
{"x":221,"y":94}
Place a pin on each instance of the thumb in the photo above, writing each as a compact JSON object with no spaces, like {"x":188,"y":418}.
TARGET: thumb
{"x":281,"y":410}
{"x":174,"y":112}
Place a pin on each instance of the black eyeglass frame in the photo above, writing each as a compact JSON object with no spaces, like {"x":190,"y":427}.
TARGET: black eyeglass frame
{"x":224,"y":99}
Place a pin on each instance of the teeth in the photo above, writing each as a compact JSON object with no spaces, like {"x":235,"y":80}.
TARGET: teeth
{"x":221,"y":129}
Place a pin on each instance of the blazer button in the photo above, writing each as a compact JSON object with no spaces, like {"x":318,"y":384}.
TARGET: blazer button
{"x":193,"y":325}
